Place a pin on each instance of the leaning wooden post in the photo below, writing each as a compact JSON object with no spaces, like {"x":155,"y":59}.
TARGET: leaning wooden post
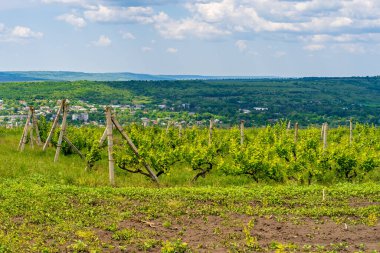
{"x":55,"y":122}
{"x":103,"y":138}
{"x":322,"y":131}
{"x":210,"y":132}
{"x":24,"y":137}
{"x":111,"y":162}
{"x":134,"y":149}
{"x":31,"y":129}
{"x":180,"y":130}
{"x":325,"y":136}
{"x":73,"y":147}
{"x":242,"y":132}
{"x":288,"y":127}
{"x":168,"y":126}
{"x":35,"y":126}
{"x":63,"y":131}
{"x":351,"y":132}
{"x":296,"y":132}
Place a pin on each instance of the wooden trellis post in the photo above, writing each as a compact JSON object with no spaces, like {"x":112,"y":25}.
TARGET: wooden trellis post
{"x":296,"y":132}
{"x":322,"y":131}
{"x":108,"y":134}
{"x":62,"y":135}
{"x":180,"y":130}
{"x":351,"y":137}
{"x":63,"y":131}
{"x":31,"y":136}
{"x":210,"y":132}
{"x":24,"y":133}
{"x":31,"y":125}
{"x":103,"y":138}
{"x":55,"y":122}
{"x":325,"y":128}
{"x":111,"y":161}
{"x":242,"y":132}
{"x":288,"y":127}
{"x":168,"y":126}
{"x":130,"y":144}
{"x":35,"y":126}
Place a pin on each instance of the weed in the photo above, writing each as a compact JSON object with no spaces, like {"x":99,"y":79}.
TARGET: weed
{"x":175,"y":247}
{"x":79,"y":246}
{"x":372,"y":219}
{"x":126,"y":234}
{"x":167,"y":224}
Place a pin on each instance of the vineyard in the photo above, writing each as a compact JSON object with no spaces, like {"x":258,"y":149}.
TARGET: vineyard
{"x":274,"y":154}
{"x":280,"y":188}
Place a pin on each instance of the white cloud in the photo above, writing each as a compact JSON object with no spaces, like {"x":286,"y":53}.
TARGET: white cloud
{"x":212,"y":11}
{"x":102,"y":13}
{"x":341,"y":38}
{"x":316,"y":23}
{"x":146,"y":49}
{"x":314,"y":47}
{"x":103,"y":41}
{"x":24,"y":32}
{"x":73,"y":20}
{"x":353,"y":48}
{"x":188,"y":27}
{"x":18,"y":34}
{"x":275,"y":16}
{"x":241,"y":45}
{"x":127,"y":35}
{"x":172,"y":50}
{"x":70,"y":2}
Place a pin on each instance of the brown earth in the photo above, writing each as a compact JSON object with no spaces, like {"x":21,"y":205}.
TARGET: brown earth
{"x":229,"y":234}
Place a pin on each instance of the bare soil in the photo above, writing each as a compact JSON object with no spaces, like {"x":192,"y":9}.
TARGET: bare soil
{"x":227,"y":234}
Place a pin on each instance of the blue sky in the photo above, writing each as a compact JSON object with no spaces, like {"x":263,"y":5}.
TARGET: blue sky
{"x":208,"y":37}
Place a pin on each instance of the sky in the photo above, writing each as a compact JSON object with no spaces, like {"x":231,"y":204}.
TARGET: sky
{"x":288,"y":38}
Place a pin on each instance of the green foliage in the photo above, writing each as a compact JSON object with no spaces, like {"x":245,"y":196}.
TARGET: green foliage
{"x":126,"y":235}
{"x":268,"y":154}
{"x":43,"y":128}
{"x":175,"y":247}
{"x":79,"y":246}
{"x":94,"y":154}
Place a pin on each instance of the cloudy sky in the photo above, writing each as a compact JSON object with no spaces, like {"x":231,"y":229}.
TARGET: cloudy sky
{"x":209,"y":37}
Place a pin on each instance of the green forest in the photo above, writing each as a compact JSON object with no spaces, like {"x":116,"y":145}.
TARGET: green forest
{"x":257,"y":101}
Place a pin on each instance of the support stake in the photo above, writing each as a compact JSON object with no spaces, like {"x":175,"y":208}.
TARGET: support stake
{"x":63,"y":131}
{"x":111,"y":162}
{"x":242,"y":132}
{"x":55,"y":122}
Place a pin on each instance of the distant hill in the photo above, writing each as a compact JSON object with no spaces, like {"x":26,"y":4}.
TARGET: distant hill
{"x":257,"y":101}
{"x":25,"y":76}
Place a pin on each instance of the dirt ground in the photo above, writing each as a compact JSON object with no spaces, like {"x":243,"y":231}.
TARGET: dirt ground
{"x":229,"y":234}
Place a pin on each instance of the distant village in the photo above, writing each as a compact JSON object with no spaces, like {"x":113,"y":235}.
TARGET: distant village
{"x":81,"y":112}
{"x":14,"y":113}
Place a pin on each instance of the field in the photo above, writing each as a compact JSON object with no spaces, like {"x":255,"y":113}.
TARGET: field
{"x":59,"y":207}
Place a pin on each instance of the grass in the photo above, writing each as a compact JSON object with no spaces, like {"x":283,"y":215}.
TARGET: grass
{"x":34,"y":164}
{"x":36,"y":215}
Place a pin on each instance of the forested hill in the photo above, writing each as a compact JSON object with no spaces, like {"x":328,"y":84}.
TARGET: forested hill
{"x":307,"y":100}
{"x":25,"y":76}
